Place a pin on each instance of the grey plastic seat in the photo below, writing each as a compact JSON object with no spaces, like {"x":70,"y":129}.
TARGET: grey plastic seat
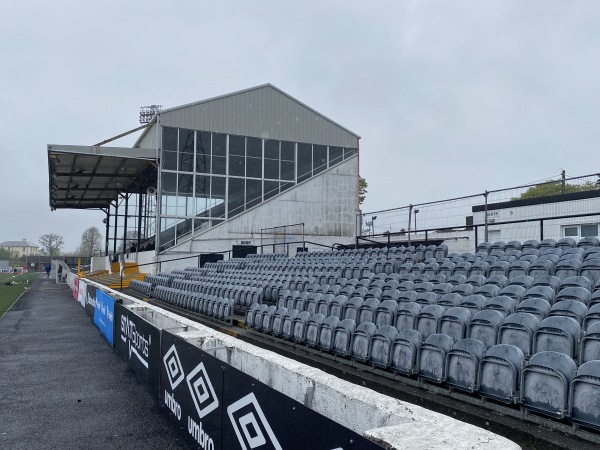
{"x":385,"y":313}
{"x":539,"y":307}
{"x":513,"y":291}
{"x":570,"y":308}
{"x":574,"y":293}
{"x":479,"y":268}
{"x":589,"y":349}
{"x":447,"y":269}
{"x":366,"y":312}
{"x":462,"y":364}
{"x":267,"y":319}
{"x":590,"y":269}
{"x":577,"y":281}
{"x":583,"y":395}
{"x":361,"y":338}
{"x":299,"y":326}
{"x":498,"y":268}
{"x":457,"y":279}
{"x":545,"y":383}
{"x":407,"y":296}
{"x":406,"y":277}
{"x":546,"y":244}
{"x":258,"y":315}
{"x":497,"y":280}
{"x":442,"y":288}
{"x":249,"y":320}
{"x":549,"y":281}
{"x":352,"y":308}
{"x":432,"y":357}
{"x":428,"y":320}
{"x":461,"y":268}
{"x":431,"y":269}
{"x":288,"y":322}
{"x":497,"y":248}
{"x":530,"y":252}
{"x":476,"y":280}
{"x":405,"y":286}
{"x":449,"y":300}
{"x":485,"y":325}
{"x":484,"y":247}
{"x":517,"y":268}
{"x":391,"y":285}
{"x":326,"y":328}
{"x":543,"y":292}
{"x":473,"y":303}
{"x":558,"y":334}
{"x":342,"y":337}
{"x":566,"y":242}
{"x":406,"y":318}
{"x":404,"y":351}
{"x":427,"y":298}
{"x":381,"y":345}
{"x":360,"y":291}
{"x":503,"y":304}
{"x":337,"y":305}
{"x":531,"y":243}
{"x":463,"y":289}
{"x":424,"y":287}
{"x":588,"y":242}
{"x":541,"y":267}
{"x":594,"y":298}
{"x":488,"y":290}
{"x":592,"y":316}
{"x":313,"y":326}
{"x":324,"y":304}
{"x":374,"y":292}
{"x":438,"y":279}
{"x":513,"y":245}
{"x":518,"y":329}
{"x":566,"y":268}
{"x":455,"y":323}
{"x":499,"y":373}
{"x":529,"y":258}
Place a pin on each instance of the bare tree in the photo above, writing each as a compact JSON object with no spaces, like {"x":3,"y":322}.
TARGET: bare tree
{"x":51,"y":243}
{"x":91,"y":241}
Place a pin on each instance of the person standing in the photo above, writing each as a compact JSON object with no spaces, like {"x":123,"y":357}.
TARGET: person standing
{"x":47,"y":269}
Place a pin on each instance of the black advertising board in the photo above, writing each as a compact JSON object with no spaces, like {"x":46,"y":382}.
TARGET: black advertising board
{"x":219,"y":407}
{"x":191,"y":386}
{"x":90,"y":300}
{"x":137,"y":342}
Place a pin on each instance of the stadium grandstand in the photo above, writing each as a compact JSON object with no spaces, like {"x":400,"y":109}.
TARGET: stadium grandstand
{"x":446,"y":318}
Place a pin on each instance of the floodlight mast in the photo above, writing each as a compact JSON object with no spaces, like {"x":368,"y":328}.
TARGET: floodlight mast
{"x":148,"y":112}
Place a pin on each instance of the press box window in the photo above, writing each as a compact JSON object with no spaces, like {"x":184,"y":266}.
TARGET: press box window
{"x":571,"y":231}
{"x":589,"y":230}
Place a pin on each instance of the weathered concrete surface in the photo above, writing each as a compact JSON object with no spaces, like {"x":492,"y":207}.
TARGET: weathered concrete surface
{"x":61,"y":385}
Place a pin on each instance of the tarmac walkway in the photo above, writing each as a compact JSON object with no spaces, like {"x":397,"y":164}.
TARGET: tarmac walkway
{"x":62,"y":386}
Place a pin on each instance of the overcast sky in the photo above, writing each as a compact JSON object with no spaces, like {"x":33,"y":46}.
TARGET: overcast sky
{"x":450,"y":97}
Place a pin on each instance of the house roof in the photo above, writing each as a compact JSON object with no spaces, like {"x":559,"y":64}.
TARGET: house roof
{"x":20,"y":243}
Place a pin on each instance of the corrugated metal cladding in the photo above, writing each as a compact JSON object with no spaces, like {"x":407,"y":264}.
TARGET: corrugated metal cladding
{"x":263,"y":112}
{"x":149,"y":139}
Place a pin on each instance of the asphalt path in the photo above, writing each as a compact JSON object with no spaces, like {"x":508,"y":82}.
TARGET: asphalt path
{"x":63,"y":387}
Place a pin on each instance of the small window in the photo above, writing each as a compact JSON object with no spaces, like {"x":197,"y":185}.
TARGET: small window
{"x":571,"y":231}
{"x":589,"y":230}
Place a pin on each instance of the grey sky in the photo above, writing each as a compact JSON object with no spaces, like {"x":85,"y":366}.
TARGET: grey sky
{"x":450,"y":97}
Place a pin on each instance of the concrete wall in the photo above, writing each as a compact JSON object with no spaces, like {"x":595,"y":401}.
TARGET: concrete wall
{"x":392,"y":423}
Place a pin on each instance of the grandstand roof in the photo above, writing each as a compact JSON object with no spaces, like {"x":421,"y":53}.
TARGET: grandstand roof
{"x":91,"y":177}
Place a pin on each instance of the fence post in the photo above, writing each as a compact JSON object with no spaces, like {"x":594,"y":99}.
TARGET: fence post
{"x":410,"y":208}
{"x":485,"y":233}
{"x":541,"y":229}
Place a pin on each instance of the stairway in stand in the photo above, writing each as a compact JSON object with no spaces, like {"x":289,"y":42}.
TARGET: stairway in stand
{"x":113,"y":280}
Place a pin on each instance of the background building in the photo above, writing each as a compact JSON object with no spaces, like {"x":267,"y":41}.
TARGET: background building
{"x":21,"y":248}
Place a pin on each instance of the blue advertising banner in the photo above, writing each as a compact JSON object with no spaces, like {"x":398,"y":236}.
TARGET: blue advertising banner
{"x":104,"y":315}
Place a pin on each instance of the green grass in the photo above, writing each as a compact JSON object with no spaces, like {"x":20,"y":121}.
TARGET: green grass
{"x":8,"y":294}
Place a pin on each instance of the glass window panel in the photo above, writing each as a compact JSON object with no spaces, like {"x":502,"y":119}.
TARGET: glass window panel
{"x":201,"y":224}
{"x":254,"y":167}
{"x":349,"y":152}
{"x":217,"y":208}
{"x":169,"y":138}
{"x":202,"y":152}
{"x":286,"y":186}
{"x":589,"y":230}
{"x":271,"y":149}
{"x":304,"y":162}
{"x":253,"y":193}
{"x":186,"y":162}
{"x":219,"y":165}
{"x":167,"y":234}
{"x":219,"y":142}
{"x":218,"y":187}
{"x":202,"y":195}
{"x":185,"y":186}
{"x":288,"y":169}
{"x":186,"y":141}
{"x":184,"y":228}
{"x":168,"y":205}
{"x":235,"y":203}
{"x":236,"y":166}
{"x":571,"y":231}
{"x":236,"y":145}
{"x":184,"y":206}
{"x":336,"y":154}
{"x":169,"y":182}
{"x":287,"y":151}
{"x":254,"y":147}
{"x":272,"y":169}
{"x":216,"y":222}
{"x":319,"y":158}
{"x":169,"y":160}
{"x":271,"y":189}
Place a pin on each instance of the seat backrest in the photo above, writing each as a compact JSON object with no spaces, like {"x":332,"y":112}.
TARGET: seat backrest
{"x":476,"y":280}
